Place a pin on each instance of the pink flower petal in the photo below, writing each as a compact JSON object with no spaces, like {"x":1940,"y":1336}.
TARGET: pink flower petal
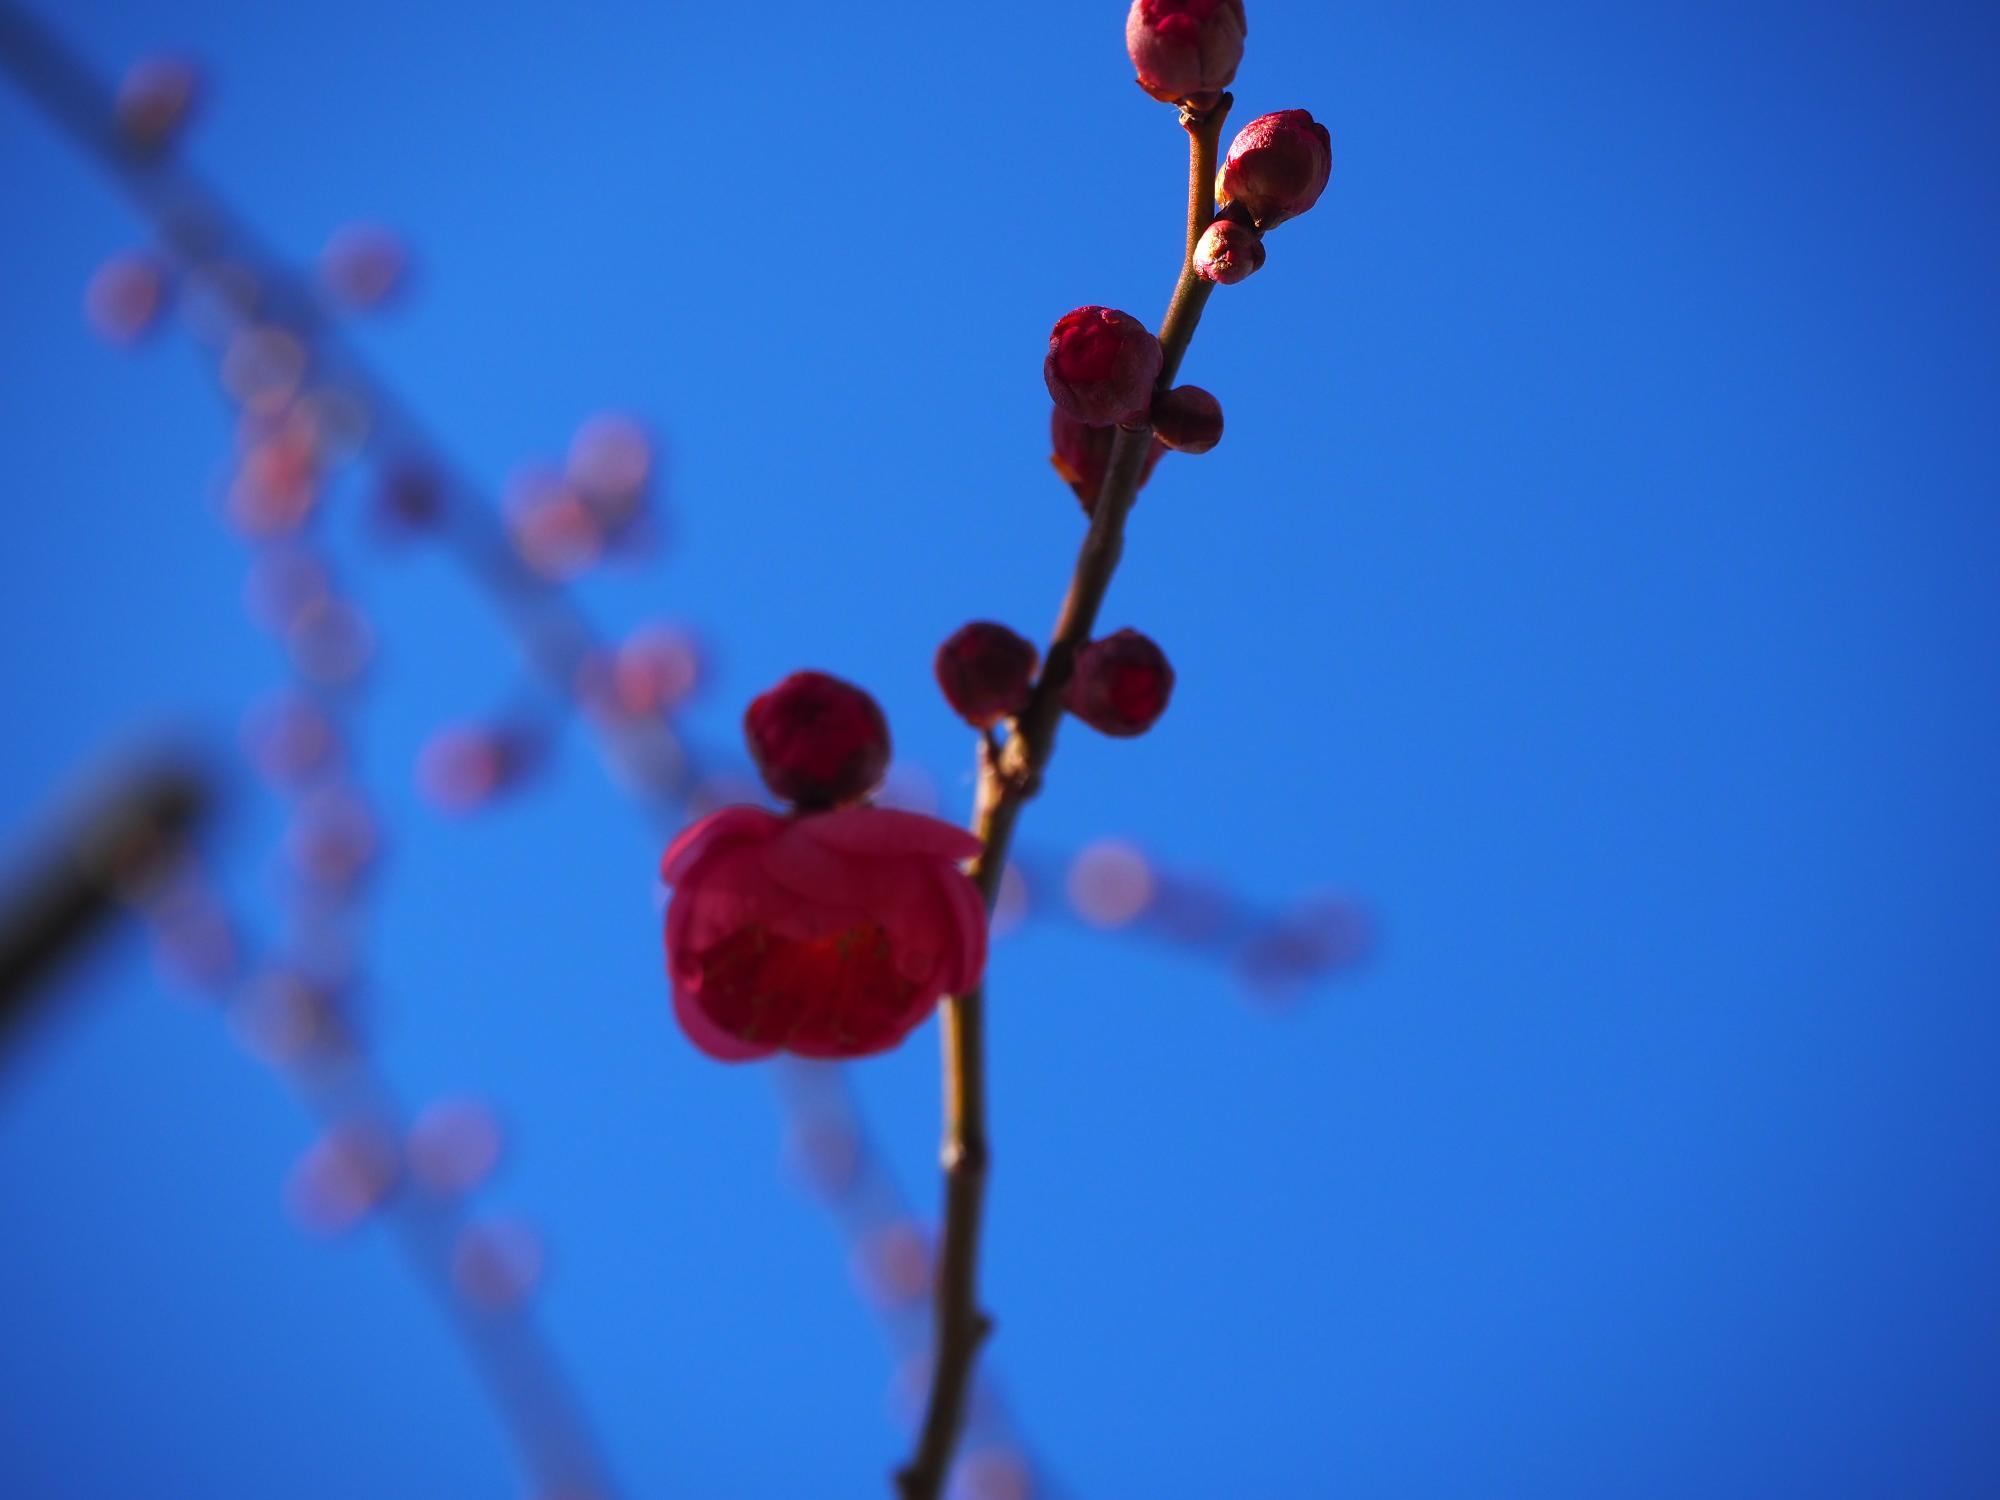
{"x":722,"y":826}
{"x":728,"y":891}
{"x":884,"y":830}
{"x":813,"y":871}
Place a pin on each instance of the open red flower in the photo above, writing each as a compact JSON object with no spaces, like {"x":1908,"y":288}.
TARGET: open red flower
{"x":827,"y":934}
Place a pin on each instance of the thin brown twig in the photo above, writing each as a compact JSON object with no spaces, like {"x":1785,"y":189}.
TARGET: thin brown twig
{"x":1006,"y":782}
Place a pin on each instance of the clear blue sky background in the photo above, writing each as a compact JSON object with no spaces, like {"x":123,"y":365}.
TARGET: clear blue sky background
{"x":1598,"y":574}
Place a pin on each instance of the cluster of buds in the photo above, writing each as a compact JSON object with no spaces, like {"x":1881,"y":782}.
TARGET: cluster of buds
{"x":1275,"y":170}
{"x":833,"y":931}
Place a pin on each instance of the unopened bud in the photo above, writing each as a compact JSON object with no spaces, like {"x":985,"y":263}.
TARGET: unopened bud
{"x":1277,"y":167}
{"x":1187,"y":419}
{"x":1101,"y":365}
{"x":817,"y":741}
{"x":1228,"y":252}
{"x":986,"y":671}
{"x":1185,"y":49}
{"x":1121,"y":685}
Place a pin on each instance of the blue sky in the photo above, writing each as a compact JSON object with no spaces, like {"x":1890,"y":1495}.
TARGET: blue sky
{"x":1596,"y":577}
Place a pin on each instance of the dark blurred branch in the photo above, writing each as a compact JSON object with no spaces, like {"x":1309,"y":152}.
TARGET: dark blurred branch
{"x":72,"y":889}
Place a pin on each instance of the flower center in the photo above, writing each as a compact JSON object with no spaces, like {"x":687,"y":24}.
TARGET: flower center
{"x":830,"y":995}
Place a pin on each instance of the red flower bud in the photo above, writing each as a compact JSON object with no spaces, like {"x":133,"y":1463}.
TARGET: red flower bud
{"x":817,"y":741}
{"x":986,"y":671}
{"x":1121,"y":685}
{"x":1228,"y":252}
{"x":1185,"y":49}
{"x":1083,"y":454}
{"x":1101,"y":366}
{"x":1187,"y":419}
{"x":1277,"y":167}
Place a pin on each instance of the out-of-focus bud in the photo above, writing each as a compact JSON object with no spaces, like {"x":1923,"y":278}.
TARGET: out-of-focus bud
{"x":1101,"y":365}
{"x":454,"y":1146}
{"x":344,"y":1176}
{"x":1185,"y":49}
{"x":364,"y":265}
{"x":125,"y":297}
{"x":1121,"y":685}
{"x":496,"y":1266}
{"x":1228,"y":252}
{"x":1083,"y":455}
{"x":611,"y":463}
{"x":986,"y":671}
{"x":654,"y":671}
{"x":155,"y":99}
{"x":1187,"y":419}
{"x":466,"y":766}
{"x":817,"y":741}
{"x":1276,"y":168}
{"x":334,"y":840}
{"x":551,"y":524}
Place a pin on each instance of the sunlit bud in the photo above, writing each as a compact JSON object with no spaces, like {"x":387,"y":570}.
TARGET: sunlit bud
{"x":1121,"y":684}
{"x":1101,"y":365}
{"x":1185,"y":49}
{"x":1228,"y":252}
{"x":1187,"y":419}
{"x":817,"y":741}
{"x":1276,"y":168}
{"x":986,"y":671}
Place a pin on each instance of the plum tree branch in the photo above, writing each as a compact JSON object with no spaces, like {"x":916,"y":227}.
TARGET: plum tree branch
{"x":1006,"y":782}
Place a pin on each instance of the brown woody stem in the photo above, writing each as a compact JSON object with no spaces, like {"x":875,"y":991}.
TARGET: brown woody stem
{"x":1006,"y":782}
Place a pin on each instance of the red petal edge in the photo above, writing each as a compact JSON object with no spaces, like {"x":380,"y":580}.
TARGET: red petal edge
{"x":697,"y":839}
{"x":887,"y":830}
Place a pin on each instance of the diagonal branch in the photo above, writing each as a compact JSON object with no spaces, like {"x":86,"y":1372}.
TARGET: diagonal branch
{"x":1006,"y":782}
